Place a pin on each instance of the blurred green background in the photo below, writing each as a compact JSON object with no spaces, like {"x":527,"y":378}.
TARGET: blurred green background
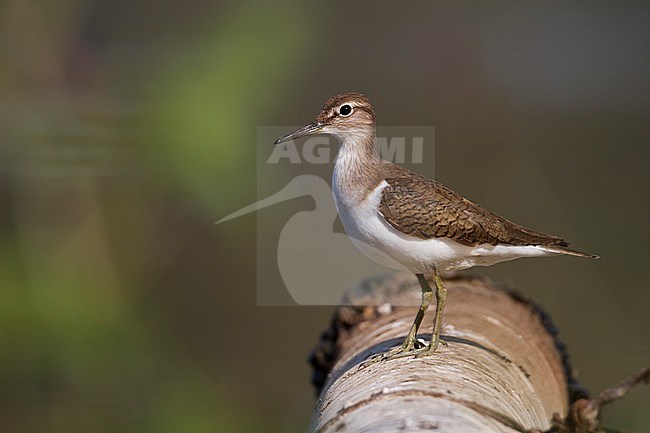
{"x":128,"y":127}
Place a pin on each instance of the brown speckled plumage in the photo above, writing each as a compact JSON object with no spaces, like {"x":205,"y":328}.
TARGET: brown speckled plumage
{"x":425,"y":209}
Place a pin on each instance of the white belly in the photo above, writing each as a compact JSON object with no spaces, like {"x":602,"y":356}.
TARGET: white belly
{"x":387,"y":246}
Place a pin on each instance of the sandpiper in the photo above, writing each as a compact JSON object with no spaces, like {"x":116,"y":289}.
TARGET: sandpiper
{"x":406,"y":221}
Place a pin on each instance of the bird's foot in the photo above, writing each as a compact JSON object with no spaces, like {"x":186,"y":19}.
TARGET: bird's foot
{"x":405,"y":349}
{"x":417,"y":349}
{"x":398,"y":352}
{"x":430,"y":348}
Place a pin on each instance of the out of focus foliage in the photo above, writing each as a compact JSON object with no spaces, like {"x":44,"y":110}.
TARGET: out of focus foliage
{"x":128,"y":128}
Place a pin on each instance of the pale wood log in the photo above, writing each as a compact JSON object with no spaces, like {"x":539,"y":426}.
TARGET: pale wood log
{"x":504,"y":370}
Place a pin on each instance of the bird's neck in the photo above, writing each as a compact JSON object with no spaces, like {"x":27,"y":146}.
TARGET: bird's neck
{"x":357,"y":164}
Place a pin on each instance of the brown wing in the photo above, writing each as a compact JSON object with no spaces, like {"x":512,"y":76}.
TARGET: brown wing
{"x":423,"y":208}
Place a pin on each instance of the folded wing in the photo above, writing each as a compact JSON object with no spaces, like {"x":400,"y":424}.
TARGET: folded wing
{"x":425,"y":209}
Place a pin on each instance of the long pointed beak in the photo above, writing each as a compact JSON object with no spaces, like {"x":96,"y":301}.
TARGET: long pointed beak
{"x":310,"y":129}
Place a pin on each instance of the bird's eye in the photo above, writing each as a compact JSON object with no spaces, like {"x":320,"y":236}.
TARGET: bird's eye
{"x":345,"y":110}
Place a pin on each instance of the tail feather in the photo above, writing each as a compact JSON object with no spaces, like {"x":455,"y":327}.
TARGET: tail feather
{"x":563,"y":249}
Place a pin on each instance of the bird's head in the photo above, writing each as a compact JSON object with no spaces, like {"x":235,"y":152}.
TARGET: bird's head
{"x":343,"y":115}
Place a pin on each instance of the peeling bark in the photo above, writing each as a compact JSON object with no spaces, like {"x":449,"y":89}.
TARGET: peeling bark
{"x":503,"y":370}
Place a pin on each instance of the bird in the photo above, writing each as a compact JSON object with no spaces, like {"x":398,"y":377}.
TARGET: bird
{"x":406,"y":221}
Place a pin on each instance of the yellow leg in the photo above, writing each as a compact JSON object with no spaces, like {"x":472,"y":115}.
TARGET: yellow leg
{"x":407,"y":347}
{"x":441,"y":297}
{"x":427,"y":294}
